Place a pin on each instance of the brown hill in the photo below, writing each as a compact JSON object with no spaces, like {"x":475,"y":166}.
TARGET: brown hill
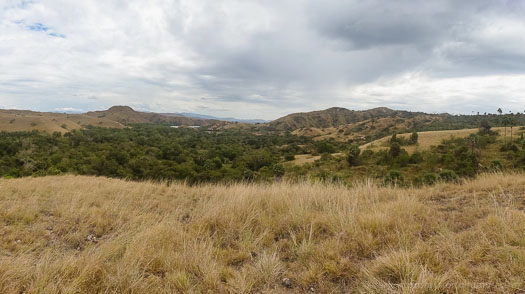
{"x":24,"y":120}
{"x":334,"y":117}
{"x":368,"y":129}
{"x":126,"y":115}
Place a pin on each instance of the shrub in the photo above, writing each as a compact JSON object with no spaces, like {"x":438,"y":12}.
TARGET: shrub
{"x":416,"y":158}
{"x":367,"y":153}
{"x":413,"y":138}
{"x":447,"y":175}
{"x":352,"y":154}
{"x":289,"y":157}
{"x":496,"y":165}
{"x":394,"y":177}
{"x":395,"y":149}
{"x":430,"y":178}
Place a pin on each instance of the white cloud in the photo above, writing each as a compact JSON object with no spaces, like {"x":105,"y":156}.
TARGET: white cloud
{"x":260,"y":58}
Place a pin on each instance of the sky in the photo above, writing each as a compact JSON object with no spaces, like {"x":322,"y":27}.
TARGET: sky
{"x":262,"y":58}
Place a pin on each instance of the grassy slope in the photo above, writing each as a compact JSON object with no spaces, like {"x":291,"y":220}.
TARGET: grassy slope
{"x":21,"y":120}
{"x":357,"y":131}
{"x":433,"y":138}
{"x":154,"y":238}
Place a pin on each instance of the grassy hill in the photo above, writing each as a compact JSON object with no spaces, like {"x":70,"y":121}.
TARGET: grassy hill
{"x":363,"y":131}
{"x":95,"y":235}
{"x":364,"y":126}
{"x":126,"y":115}
{"x":334,"y":117}
{"x":23,"y":120}
{"x":432,"y":138}
{"x":115,"y":117}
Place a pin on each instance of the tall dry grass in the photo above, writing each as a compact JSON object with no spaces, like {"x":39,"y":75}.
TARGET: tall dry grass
{"x":94,"y":235}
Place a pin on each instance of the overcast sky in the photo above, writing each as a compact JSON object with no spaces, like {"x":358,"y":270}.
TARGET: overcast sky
{"x":262,"y":59}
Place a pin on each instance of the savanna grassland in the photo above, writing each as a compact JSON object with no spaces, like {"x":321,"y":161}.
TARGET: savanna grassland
{"x":78,"y":234}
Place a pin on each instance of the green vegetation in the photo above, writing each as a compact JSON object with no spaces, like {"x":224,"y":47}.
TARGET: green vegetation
{"x":149,"y":152}
{"x":449,"y":161}
{"x":162,"y":153}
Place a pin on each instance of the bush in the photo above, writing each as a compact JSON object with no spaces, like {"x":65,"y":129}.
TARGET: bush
{"x":416,"y":158}
{"x":367,"y":153}
{"x":413,"y":138}
{"x":289,"y":157}
{"x":394,"y":177}
{"x":395,"y":149}
{"x":496,"y":165}
{"x":430,"y":178}
{"x":352,"y":154}
{"x":448,"y":176}
{"x":325,"y":147}
{"x":277,"y":170}
{"x":509,"y":147}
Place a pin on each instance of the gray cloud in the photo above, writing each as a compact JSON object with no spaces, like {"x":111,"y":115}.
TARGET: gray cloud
{"x":262,"y":58}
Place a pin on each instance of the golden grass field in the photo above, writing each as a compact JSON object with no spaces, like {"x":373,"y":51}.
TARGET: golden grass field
{"x":431,"y":138}
{"x":72,"y":234}
{"x":21,"y":120}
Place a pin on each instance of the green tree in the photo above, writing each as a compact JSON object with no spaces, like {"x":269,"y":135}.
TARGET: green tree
{"x":484,"y":127}
{"x":395,"y":149}
{"x":394,"y":139}
{"x":277,"y":170}
{"x":473,"y":141}
{"x":413,"y":138}
{"x":352,"y":154}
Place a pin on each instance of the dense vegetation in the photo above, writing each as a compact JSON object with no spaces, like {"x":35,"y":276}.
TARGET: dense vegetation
{"x":159,"y":152}
{"x":449,"y":161}
{"x":146,"y":152}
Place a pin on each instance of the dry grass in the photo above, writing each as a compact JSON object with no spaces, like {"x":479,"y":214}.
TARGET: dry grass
{"x":95,"y":235}
{"x":22,"y":120}
{"x":431,"y":138}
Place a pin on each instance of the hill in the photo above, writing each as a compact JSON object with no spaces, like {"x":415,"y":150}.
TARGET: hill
{"x":114,"y":117}
{"x":23,"y":120}
{"x":335,"y":117}
{"x":126,"y":115}
{"x":431,"y":138}
{"x":93,"y":235}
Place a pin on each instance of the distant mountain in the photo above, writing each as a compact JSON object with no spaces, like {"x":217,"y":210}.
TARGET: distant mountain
{"x":230,"y":119}
{"x":126,"y":115}
{"x":336,"y":116}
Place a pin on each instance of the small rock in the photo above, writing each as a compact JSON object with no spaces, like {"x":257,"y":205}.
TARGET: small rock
{"x":186,"y":219}
{"x":287,"y":283}
{"x":91,"y":238}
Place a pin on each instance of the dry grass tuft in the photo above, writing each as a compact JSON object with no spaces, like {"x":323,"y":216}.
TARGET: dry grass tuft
{"x":95,"y":235}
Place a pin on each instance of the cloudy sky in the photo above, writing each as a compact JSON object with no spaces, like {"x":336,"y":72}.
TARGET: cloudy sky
{"x":262,"y":59}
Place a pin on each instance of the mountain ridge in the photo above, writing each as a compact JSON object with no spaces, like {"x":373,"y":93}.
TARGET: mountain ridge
{"x":338,"y":116}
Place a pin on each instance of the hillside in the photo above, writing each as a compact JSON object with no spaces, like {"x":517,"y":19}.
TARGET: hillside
{"x":97,"y":235}
{"x":23,"y":120}
{"x":432,"y":138}
{"x":334,"y":117}
{"x":126,"y":115}
{"x":114,"y":117}
{"x":364,"y":131}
